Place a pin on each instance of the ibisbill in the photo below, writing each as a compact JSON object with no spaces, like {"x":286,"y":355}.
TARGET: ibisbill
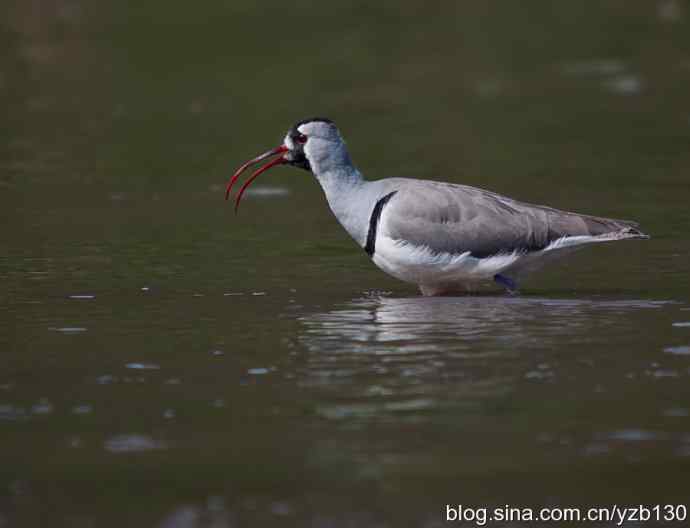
{"x":445,"y":238}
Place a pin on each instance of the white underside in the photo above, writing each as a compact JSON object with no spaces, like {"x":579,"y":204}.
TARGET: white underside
{"x":437,"y":273}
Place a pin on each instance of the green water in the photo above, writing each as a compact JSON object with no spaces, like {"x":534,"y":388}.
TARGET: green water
{"x":166,"y":363}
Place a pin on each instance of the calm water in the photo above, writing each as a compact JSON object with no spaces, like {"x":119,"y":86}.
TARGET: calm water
{"x":166,"y":363}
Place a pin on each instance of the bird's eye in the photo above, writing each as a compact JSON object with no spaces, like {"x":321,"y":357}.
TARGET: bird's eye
{"x":301,"y":138}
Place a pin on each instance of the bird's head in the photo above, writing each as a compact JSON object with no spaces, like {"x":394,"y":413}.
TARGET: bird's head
{"x":312,"y":144}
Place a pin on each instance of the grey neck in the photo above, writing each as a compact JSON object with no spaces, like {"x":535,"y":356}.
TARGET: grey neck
{"x":347,"y":194}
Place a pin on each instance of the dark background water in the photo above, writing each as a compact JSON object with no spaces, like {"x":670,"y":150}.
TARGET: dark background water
{"x":164,"y":362}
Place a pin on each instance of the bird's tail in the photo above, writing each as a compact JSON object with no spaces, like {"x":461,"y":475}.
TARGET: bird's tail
{"x":631,"y":232}
{"x":573,"y":224}
{"x":613,"y":228}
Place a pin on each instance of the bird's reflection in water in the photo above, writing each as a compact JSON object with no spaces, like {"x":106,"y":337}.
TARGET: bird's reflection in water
{"x":401,"y":354}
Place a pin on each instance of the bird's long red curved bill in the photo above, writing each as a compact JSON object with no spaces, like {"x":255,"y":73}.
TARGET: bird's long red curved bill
{"x":277,"y":161}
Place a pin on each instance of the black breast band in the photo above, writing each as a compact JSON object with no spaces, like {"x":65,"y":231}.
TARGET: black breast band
{"x":370,"y":247}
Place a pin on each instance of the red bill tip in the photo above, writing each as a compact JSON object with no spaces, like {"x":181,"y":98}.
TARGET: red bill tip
{"x":278,"y":150}
{"x":264,"y":168}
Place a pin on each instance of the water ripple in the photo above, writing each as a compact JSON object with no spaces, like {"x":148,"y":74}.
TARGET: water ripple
{"x":390,"y":353}
{"x":132,"y":443}
{"x":678,"y":350}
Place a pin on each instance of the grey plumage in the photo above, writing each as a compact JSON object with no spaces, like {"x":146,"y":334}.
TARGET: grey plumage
{"x":450,"y":218}
{"x":445,"y":238}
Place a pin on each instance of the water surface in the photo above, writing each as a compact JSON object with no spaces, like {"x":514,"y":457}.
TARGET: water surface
{"x":166,"y":363}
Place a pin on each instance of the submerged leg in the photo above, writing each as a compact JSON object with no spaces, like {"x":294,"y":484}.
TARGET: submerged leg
{"x":508,"y":283}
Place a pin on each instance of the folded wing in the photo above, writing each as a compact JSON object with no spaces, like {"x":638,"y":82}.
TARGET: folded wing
{"x":449,"y":218}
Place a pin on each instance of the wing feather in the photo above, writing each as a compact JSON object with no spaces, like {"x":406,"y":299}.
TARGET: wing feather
{"x":450,"y":218}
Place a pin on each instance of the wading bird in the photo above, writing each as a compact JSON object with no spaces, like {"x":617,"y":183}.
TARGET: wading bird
{"x":443,"y":237}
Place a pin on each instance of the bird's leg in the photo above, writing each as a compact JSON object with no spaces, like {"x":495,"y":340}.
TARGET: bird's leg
{"x":431,"y":291}
{"x":508,"y":283}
